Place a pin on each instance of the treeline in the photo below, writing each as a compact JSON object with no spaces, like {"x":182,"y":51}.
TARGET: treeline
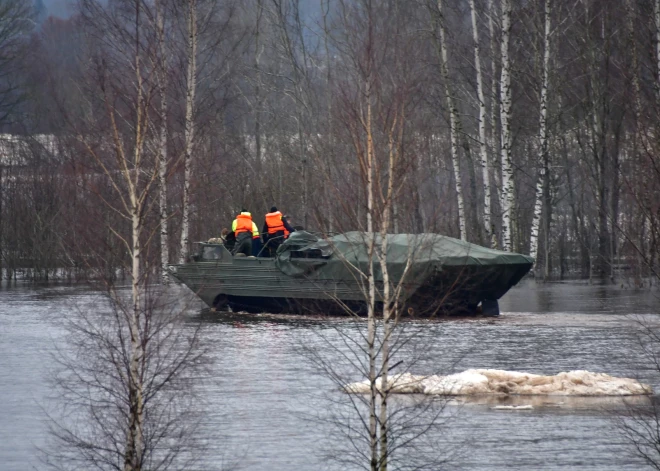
{"x":527,"y":126}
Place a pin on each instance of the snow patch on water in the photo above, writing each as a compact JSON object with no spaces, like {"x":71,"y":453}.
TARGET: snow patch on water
{"x":501,"y":382}
{"x":525,"y":407}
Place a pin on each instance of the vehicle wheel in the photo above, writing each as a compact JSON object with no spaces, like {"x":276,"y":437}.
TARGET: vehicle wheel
{"x":220,"y":303}
{"x":490,"y":308}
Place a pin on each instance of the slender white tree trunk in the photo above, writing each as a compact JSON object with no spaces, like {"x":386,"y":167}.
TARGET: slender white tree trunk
{"x":162,"y":145}
{"x":638,"y":175}
{"x":505,"y":119}
{"x":453,"y":124}
{"x":371,"y":314}
{"x":385,"y":345}
{"x":258,"y":50}
{"x":303,"y":157}
{"x":135,"y":440}
{"x":483,"y":145}
{"x":189,"y":125}
{"x":389,"y":301}
{"x":135,"y":432}
{"x":162,"y":178}
{"x":543,"y":140}
{"x":494,"y":109}
{"x":325,"y":7}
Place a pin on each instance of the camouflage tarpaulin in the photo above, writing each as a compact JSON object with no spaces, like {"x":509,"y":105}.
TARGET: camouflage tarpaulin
{"x":304,"y":254}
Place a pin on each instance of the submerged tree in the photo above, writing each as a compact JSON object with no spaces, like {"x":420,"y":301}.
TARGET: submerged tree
{"x":375,"y":99}
{"x":129,"y":368}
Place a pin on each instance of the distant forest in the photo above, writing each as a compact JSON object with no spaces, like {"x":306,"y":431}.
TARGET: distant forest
{"x":528,"y":126}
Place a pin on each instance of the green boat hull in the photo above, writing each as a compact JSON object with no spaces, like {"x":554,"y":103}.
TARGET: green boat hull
{"x":444,"y":276}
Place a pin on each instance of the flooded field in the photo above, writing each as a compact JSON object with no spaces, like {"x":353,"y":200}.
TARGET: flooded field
{"x":261,"y":392}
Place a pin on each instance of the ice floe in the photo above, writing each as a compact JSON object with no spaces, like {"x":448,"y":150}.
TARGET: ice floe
{"x":525,"y":407}
{"x":501,"y":382}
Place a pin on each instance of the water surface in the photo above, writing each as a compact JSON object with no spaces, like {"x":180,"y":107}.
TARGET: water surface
{"x":261,"y":391}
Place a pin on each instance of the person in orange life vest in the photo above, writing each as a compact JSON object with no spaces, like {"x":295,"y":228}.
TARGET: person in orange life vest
{"x":245,"y":230}
{"x":277,"y":228}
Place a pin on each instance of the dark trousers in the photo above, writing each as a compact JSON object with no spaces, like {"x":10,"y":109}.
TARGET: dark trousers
{"x":274,"y":241}
{"x":243,"y":243}
{"x":256,"y":246}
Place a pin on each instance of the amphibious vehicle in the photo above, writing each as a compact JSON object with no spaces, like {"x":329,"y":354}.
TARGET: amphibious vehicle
{"x":437,"y":275}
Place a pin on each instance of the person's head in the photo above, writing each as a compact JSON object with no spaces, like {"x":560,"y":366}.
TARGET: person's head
{"x":224,"y":232}
{"x":244,"y":210}
{"x":273,"y":209}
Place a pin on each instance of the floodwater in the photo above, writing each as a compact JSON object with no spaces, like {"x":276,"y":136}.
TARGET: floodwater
{"x":263,"y":391}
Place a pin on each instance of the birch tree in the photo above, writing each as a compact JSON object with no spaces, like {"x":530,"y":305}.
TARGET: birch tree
{"x":453,"y":121}
{"x":127,"y":368}
{"x":375,"y":102}
{"x":543,"y":178}
{"x":189,"y":130}
{"x":506,"y":198}
{"x":483,"y":144}
{"x":494,"y":136}
{"x":133,"y":202}
{"x":162,"y":142}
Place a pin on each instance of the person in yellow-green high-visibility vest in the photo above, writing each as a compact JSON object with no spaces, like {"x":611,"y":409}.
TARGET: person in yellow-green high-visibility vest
{"x":245,"y":230}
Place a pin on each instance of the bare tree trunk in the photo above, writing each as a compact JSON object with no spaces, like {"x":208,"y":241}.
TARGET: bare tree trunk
{"x":543,"y":178}
{"x":135,"y":439}
{"x":638,"y":174}
{"x":162,"y":144}
{"x":598,"y":121}
{"x":453,"y":124}
{"x":494,"y":135}
{"x":385,"y":345}
{"x":389,"y":301}
{"x":547,"y":201}
{"x":483,"y":145}
{"x":191,"y":84}
{"x":303,"y":158}
{"x":325,"y":8}
{"x":371,"y":315}
{"x":505,"y":118}
{"x":258,"y":50}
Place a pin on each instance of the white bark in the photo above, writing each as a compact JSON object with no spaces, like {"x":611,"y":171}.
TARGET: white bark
{"x":543,"y":139}
{"x":389,"y":298}
{"x":483,"y":146}
{"x":494,"y":135}
{"x":453,"y":124}
{"x":505,"y":119}
{"x":371,"y":315}
{"x":135,"y":432}
{"x":135,"y":437}
{"x":191,"y":85}
{"x":162,"y":145}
